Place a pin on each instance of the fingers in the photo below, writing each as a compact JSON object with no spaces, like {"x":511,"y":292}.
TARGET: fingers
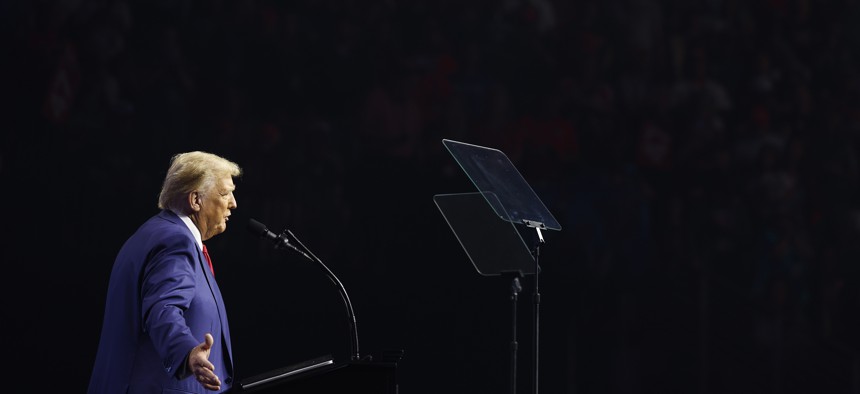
{"x":204,"y":371}
{"x":207,"y":342}
{"x":209,"y":380}
{"x":205,"y":374}
{"x":205,"y":368}
{"x":201,"y":362}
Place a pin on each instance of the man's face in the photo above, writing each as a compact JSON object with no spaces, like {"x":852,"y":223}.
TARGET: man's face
{"x":215,"y":207}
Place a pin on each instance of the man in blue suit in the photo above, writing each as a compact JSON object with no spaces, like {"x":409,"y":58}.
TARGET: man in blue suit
{"x":165,"y":327}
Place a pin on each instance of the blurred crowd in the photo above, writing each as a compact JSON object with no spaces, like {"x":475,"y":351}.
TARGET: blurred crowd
{"x":708,"y":142}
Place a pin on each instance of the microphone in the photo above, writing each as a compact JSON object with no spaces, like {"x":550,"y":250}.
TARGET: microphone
{"x":281,"y":241}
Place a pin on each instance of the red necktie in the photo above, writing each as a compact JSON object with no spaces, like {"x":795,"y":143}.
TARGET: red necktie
{"x":206,"y":254}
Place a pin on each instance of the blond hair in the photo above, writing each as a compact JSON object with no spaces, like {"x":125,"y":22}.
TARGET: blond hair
{"x":192,"y":171}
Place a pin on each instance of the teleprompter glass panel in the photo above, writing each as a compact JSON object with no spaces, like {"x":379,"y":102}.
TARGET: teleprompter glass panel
{"x":494,"y":246}
{"x":492,"y":172}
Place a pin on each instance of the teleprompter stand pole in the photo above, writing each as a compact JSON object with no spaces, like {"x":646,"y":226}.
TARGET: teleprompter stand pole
{"x":536,"y":298}
{"x":515,"y":290}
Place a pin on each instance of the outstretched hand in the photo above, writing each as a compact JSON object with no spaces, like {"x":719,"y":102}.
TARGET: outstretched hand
{"x":201,"y":368}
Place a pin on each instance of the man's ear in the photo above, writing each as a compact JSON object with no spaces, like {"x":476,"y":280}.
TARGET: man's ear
{"x":194,"y":201}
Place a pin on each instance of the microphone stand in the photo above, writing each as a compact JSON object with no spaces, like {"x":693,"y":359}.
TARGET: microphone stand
{"x":353,"y":337}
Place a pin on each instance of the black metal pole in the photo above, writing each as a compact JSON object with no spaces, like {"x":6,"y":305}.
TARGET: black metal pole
{"x":536,"y":331}
{"x":515,"y":289}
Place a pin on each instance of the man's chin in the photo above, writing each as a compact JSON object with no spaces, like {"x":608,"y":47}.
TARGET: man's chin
{"x":216,"y":231}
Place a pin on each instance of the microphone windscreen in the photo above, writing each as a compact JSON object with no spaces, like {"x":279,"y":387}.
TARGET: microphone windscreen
{"x":257,"y":228}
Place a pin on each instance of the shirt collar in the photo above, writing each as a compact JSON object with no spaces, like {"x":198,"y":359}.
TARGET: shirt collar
{"x":194,"y":230}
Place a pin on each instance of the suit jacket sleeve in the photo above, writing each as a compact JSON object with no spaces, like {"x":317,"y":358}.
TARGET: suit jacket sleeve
{"x":167,"y":291}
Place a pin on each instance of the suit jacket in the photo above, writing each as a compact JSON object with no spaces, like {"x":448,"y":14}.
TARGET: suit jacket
{"x":161,"y":300}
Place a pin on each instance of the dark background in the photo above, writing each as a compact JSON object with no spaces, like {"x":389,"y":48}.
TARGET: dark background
{"x":701,"y":157}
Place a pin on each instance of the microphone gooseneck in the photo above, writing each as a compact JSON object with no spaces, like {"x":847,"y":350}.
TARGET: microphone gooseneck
{"x":283,"y":242}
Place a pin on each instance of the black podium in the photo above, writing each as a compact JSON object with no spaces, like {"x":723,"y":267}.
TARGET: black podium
{"x":335,"y":377}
